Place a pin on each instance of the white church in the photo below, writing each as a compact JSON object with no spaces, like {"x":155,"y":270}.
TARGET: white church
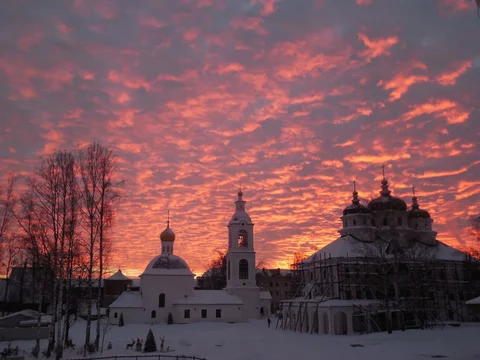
{"x":167,"y":284}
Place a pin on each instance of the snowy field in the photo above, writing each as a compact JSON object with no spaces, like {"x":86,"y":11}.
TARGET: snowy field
{"x":255,"y":341}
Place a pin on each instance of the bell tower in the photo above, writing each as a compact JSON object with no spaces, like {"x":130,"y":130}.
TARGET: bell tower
{"x":241,"y":254}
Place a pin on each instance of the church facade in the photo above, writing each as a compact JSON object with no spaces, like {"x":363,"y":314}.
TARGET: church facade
{"x":386,"y":271}
{"x":167,"y":285}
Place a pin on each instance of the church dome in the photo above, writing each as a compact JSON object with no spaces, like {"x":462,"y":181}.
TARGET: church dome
{"x":355,"y":207}
{"x":386,"y":201}
{"x":167,"y":234}
{"x":415,"y":212}
{"x":167,"y":264}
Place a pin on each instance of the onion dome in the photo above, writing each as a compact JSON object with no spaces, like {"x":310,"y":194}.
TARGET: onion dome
{"x":387,"y":201}
{"x":167,"y":234}
{"x":356,"y":207}
{"x":416,"y":212}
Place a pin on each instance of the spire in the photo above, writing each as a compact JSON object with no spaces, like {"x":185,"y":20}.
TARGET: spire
{"x":385,"y":191}
{"x":168,"y":218}
{"x":240,"y":203}
{"x":355,"y":194}
{"x":414,"y":200}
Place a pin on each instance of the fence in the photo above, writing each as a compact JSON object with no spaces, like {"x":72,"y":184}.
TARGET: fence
{"x":137,"y":357}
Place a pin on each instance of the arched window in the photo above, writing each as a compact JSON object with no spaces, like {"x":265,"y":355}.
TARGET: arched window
{"x":399,"y":221}
{"x":154,"y":314}
{"x":243,"y":238}
{"x":385,"y":222}
{"x":161,"y":300}
{"x":354,"y":222}
{"x":228,"y":269}
{"x":243,"y":269}
{"x":115,"y":315}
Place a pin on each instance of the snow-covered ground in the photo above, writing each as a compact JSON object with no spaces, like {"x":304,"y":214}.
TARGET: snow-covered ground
{"x":255,"y":341}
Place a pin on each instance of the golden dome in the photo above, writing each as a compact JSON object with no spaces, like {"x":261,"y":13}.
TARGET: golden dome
{"x":167,"y":234}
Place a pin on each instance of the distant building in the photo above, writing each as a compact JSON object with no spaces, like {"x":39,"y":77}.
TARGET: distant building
{"x":278,"y":282}
{"x":386,"y":271}
{"x":167,"y":286}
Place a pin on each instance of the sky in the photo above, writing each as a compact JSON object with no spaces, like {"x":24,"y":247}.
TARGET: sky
{"x":292,"y":100}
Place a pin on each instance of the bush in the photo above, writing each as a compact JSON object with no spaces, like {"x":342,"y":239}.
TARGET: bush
{"x":170,"y":319}
{"x":150,"y":344}
{"x":120,"y":321}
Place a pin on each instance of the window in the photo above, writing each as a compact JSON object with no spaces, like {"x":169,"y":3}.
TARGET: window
{"x":218,"y":313}
{"x":161,"y":300}
{"x":450,"y":314}
{"x":204,"y":313}
{"x":426,"y":226}
{"x":163,"y":248}
{"x":153,"y":315}
{"x":242,"y":238}
{"x":168,"y":248}
{"x":228,"y":269}
{"x":385,"y":222}
{"x":243,"y":269}
{"x":186,"y":314}
{"x":373,"y":222}
{"x":115,"y":315}
{"x":348,"y":295}
{"x":354,"y":222}
{"x":416,"y":226}
{"x":399,"y":221}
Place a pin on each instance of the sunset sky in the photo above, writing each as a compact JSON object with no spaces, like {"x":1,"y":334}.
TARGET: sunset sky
{"x":292,"y":99}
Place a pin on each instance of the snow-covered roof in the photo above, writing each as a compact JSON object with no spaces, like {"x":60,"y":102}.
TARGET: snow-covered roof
{"x":118,"y":276}
{"x":270,"y":272}
{"x":265,"y":295}
{"x":167,"y":264}
{"x":30,"y":313}
{"x":474,"y":301}
{"x":128,"y":299}
{"x":348,"y":246}
{"x":210,"y":297}
{"x":44,"y":320}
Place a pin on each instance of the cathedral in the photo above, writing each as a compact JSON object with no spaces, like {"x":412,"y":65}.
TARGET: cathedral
{"x":386,"y":271}
{"x":167,"y":291}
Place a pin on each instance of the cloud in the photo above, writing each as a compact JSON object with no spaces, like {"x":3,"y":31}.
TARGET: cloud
{"x":290,"y":99}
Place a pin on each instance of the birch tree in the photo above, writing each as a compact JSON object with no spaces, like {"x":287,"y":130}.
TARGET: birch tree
{"x":99,"y":194}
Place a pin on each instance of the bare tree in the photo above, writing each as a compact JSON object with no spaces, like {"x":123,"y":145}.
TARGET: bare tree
{"x":10,"y":250}
{"x":7,"y":202}
{"x":217,"y":271}
{"x":99,"y":193}
{"x":105,"y":326}
{"x":382,"y":258}
{"x":37,"y":245}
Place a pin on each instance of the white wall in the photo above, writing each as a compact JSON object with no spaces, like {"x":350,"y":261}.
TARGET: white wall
{"x":130,"y":315}
{"x":250,"y":297}
{"x":174,"y":288}
{"x":229,"y":313}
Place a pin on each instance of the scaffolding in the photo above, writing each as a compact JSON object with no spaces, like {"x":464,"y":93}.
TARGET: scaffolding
{"x":429,"y":293}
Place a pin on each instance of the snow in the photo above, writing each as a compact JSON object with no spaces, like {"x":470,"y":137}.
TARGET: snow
{"x":348,"y":246}
{"x":128,"y":299}
{"x":30,"y":313}
{"x":265,"y":295}
{"x":474,"y":301}
{"x":210,"y":297}
{"x":255,"y":341}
